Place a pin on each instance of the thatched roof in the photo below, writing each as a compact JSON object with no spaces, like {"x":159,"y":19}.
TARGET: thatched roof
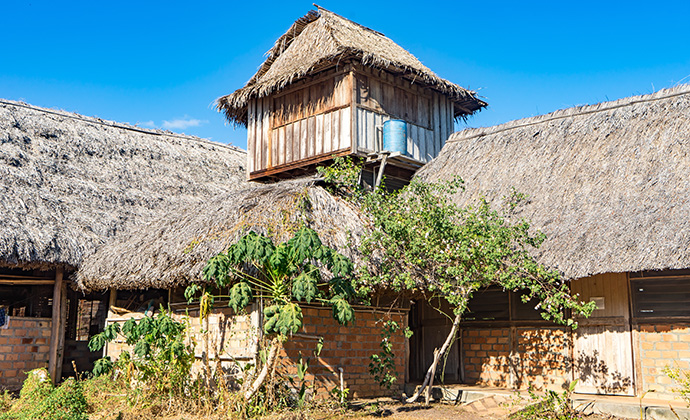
{"x":608,"y":184}
{"x":69,"y":182}
{"x":173,"y":250}
{"x":322,"y":39}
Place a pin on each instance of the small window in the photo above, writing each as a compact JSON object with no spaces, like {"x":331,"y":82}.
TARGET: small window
{"x":661,"y":296}
{"x":490,"y":304}
{"x":525,"y":311}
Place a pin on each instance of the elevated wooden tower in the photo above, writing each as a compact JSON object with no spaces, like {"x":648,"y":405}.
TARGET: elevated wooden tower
{"x":326,"y":89}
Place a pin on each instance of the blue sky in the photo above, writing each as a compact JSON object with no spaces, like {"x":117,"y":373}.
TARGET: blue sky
{"x":162,"y":64}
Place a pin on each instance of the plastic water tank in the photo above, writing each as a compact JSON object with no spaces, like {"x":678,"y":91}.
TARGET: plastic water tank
{"x":395,"y":136}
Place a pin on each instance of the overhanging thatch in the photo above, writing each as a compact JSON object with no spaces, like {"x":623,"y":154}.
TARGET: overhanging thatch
{"x":608,"y":184}
{"x":69,"y":182}
{"x":322,"y":39}
{"x":173,"y":250}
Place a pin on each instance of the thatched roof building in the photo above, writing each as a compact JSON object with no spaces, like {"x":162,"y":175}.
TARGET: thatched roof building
{"x":69,"y":182}
{"x":322,"y":39}
{"x":173,"y":250}
{"x":608,"y":184}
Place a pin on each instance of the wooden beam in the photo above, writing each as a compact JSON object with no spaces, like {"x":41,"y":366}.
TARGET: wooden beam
{"x":298,"y":164}
{"x":26,"y":282}
{"x":57,"y":333}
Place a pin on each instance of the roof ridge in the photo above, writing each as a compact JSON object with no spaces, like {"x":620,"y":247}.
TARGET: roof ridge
{"x":575,"y":111}
{"x":114,"y":124}
{"x":323,"y":9}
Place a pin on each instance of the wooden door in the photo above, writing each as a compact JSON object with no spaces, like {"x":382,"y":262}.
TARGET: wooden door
{"x":430,"y":328}
{"x":603,"y":358}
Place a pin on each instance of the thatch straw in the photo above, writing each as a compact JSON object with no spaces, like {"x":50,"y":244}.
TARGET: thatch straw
{"x":322,"y":39}
{"x":172,"y":251}
{"x":68,"y":182}
{"x":608,"y":184}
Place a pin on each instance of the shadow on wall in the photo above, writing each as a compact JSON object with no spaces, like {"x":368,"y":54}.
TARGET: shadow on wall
{"x":542,"y":358}
{"x":591,"y":370}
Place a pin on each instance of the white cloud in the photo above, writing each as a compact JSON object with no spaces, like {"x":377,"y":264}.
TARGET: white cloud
{"x":148,"y":123}
{"x":182,"y":123}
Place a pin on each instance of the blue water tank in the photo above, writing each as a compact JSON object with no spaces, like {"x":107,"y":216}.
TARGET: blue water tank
{"x":395,"y":136}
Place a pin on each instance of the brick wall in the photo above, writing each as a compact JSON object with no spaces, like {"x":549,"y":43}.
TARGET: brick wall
{"x":231,"y":339}
{"x":517,"y":357}
{"x":348,"y":348}
{"x":24,"y":346}
{"x":660,"y":346}
{"x":486,"y":354}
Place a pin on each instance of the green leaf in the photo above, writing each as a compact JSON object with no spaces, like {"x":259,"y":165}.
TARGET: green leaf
{"x":191,"y":291}
{"x":102,"y":366}
{"x":304,"y":287}
{"x":240,"y":296}
{"x":285,"y":320}
{"x":340,"y":265}
{"x":341,"y":286}
{"x":305,"y":245}
{"x":142,"y":349}
{"x":342,"y":311}
{"x":216,"y":270}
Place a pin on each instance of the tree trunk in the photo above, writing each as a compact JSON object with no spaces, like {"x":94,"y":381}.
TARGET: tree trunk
{"x":427,"y":397}
{"x":276,"y":344}
{"x":207,"y":362}
{"x":437,"y":356}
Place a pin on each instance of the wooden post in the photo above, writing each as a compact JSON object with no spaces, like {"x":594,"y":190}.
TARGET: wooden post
{"x":57,"y":333}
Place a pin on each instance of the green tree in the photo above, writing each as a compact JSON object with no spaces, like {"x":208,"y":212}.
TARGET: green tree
{"x":421,"y":241}
{"x":161,"y":356}
{"x":284,"y":276}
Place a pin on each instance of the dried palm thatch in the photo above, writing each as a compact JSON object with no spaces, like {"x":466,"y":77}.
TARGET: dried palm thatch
{"x":173,"y":250}
{"x":608,"y":184}
{"x":322,"y":39}
{"x":69,"y":182}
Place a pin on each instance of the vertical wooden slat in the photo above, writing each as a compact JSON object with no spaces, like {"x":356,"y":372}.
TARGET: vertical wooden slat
{"x":255,"y":154}
{"x":327,"y":135}
{"x":345,"y":126}
{"x":370,"y":127}
{"x":251,"y":134}
{"x":353,"y":108}
{"x":311,"y":136}
{"x":256,"y":132}
{"x":319,"y":134}
{"x":413,"y":144}
{"x":282,"y":139}
{"x":335,"y":130}
{"x":362,"y":128}
{"x":265,"y":135}
{"x":436,"y":120}
{"x":296,"y":142}
{"x":378,"y":132}
{"x":374,"y":93}
{"x":303,"y":148}
{"x":285,"y":146}
{"x":442,"y":118}
{"x":389,"y":98}
{"x":429,"y":140}
{"x":57,"y":332}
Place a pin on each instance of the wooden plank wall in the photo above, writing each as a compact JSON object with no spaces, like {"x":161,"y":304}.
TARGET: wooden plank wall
{"x":301,"y":123}
{"x":382,"y":96}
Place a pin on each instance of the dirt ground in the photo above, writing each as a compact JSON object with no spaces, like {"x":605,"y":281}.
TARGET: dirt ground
{"x":476,"y":411}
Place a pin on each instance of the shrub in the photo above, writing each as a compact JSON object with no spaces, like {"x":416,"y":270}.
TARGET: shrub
{"x":682,"y":378}
{"x":38,"y":399}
